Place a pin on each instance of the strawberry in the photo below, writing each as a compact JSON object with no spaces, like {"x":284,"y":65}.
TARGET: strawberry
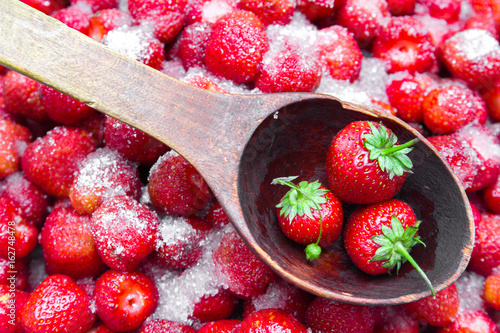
{"x":133,"y":144}
{"x":437,"y":311}
{"x":471,"y":322}
{"x":488,"y":8}
{"x":75,"y":17}
{"x":491,"y":97}
{"x":215,"y":216}
{"x":473,"y":55}
{"x":125,"y":232}
{"x":20,"y":96}
{"x":102,"y":175}
{"x":77,"y":258}
{"x":365,"y":165}
{"x":309,"y":214}
{"x":19,"y":266}
{"x":204,"y":83}
{"x":125,"y":300}
{"x":491,"y":196}
{"x":176,"y":188}
{"x":270,"y":12}
{"x":220,"y":326}
{"x":405,"y":44}
{"x":288,"y":70}
{"x":270,"y":321}
{"x":401,"y":7}
{"x":486,"y":254}
{"x":52,"y":161}
{"x":379,"y":237}
{"x":105,"y":20}
{"x":13,"y":141}
{"x":165,"y":326}
{"x":338,"y":53}
{"x":192,"y":44}
{"x":240,"y":269}
{"x":236,"y":46}
{"x":448,"y":10}
{"x":96,"y":5}
{"x":94,"y":125}
{"x":46,"y":6}
{"x":58,"y":305}
{"x":394,"y":319}
{"x":446,"y":109}
{"x":12,"y":302}
{"x":324,"y":315}
{"x":215,"y":307}
{"x":491,"y":292}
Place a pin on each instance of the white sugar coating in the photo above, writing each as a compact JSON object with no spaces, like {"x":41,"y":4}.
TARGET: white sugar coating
{"x":276,"y":296}
{"x":214,"y":9}
{"x":300,"y":32}
{"x":466,"y":11}
{"x":462,"y":169}
{"x":37,"y":272}
{"x":123,"y":5}
{"x":19,"y":185}
{"x":343,"y":90}
{"x":155,"y":167}
{"x":133,"y":42}
{"x":145,"y":198}
{"x":179,"y":293}
{"x":173,"y":68}
{"x":470,"y":289}
{"x":437,"y":28}
{"x":173,"y":230}
{"x":475,"y":44}
{"x":484,"y":142}
{"x":373,"y":78}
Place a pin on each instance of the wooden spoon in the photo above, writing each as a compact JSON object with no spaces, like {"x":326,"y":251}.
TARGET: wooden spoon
{"x":239,"y":143}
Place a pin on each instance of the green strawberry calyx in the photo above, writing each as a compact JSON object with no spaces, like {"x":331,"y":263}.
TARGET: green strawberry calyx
{"x":300,"y":200}
{"x":382,"y":146}
{"x":395,"y":246}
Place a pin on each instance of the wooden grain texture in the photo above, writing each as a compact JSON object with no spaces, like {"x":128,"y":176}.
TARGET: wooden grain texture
{"x":239,"y":143}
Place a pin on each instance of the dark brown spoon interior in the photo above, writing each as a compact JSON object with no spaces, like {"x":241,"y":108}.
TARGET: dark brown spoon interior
{"x":239,"y":143}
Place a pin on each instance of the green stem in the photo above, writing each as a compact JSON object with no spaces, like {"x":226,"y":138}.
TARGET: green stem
{"x":401,"y":249}
{"x":389,"y":151}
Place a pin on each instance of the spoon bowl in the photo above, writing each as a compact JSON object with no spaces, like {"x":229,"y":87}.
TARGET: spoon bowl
{"x":239,"y":143}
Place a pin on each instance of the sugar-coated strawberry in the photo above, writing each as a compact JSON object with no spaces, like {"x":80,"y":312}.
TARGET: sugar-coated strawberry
{"x":324,"y":315}
{"x":52,"y":161}
{"x":132,"y":143}
{"x":316,"y":10}
{"x":46,"y":6}
{"x":491,"y":196}
{"x":20,"y":267}
{"x":437,"y":311}
{"x":379,"y":237}
{"x":491,"y":97}
{"x":192,"y":44}
{"x":125,"y":300}
{"x":338,"y":53}
{"x":471,"y":322}
{"x":236,"y":46}
{"x":473,"y":55}
{"x":14,"y":139}
{"x":405,"y":44}
{"x":28,"y":197}
{"x":446,"y":109}
{"x":75,"y":17}
{"x":448,"y":10}
{"x":62,"y":108}
{"x":240,"y":269}
{"x":68,"y":246}
{"x":180,"y":239}
{"x":105,"y":20}
{"x":365,"y":164}
{"x":165,"y":326}
{"x":12,"y":302}
{"x":94,"y":125}
{"x":364,"y":18}
{"x":270,"y":12}
{"x":484,"y":22}
{"x":167,"y":16}
{"x":486,"y":253}
{"x":288,"y":70}
{"x":309,"y":214}
{"x":215,"y":307}
{"x":102,"y":175}
{"x":176,"y":188}
{"x":394,"y":319}
{"x":58,"y":304}
{"x":215,"y":216}
{"x":125,"y":232}
{"x":100,"y":327}
{"x":204,"y":83}
{"x":96,"y":5}
{"x":220,"y":326}
{"x":401,"y":7}
{"x":270,"y":321}
{"x":20,"y":96}
{"x":491,"y":292}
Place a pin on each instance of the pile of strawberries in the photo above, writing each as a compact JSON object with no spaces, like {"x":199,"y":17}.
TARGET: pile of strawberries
{"x":105,"y":229}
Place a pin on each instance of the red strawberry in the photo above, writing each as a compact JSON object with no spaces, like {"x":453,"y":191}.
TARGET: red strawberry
{"x":449,"y":108}
{"x":236,"y":46}
{"x":94,"y":124}
{"x":220,"y":326}
{"x":437,"y":311}
{"x":448,"y":10}
{"x":484,"y":22}
{"x":491,"y":97}
{"x":491,"y":293}
{"x":46,"y":6}
{"x":270,"y":321}
{"x":192,"y":44}
{"x":133,"y":144}
{"x":106,"y":20}
{"x":102,"y":175}
{"x":379,"y":237}
{"x":74,"y":17}
{"x":68,"y":246}
{"x":315,"y":10}
{"x":20,"y":96}
{"x":491,"y":196}
{"x":13,"y":141}
{"x":471,"y":322}
{"x":401,"y":7}
{"x":125,"y":232}
{"x":12,"y":302}
{"x":288,"y":70}
{"x":216,"y":216}
{"x":473,"y":55}
{"x":405,"y":44}
{"x":324,"y":315}
{"x":270,"y":12}
{"x":176,"y":188}
{"x":310,"y":215}
{"x":100,"y":328}
{"x":165,"y":326}
{"x":488,"y":8}
{"x":52,"y":161}
{"x":338,"y":53}
{"x":365,"y":165}
{"x":215,"y":307}
{"x":486,"y":253}
{"x":243,"y":272}
{"x":57,"y":305}
{"x":125,"y":300}
{"x":96,"y":5}
{"x":394,"y":319}
{"x":20,"y":267}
